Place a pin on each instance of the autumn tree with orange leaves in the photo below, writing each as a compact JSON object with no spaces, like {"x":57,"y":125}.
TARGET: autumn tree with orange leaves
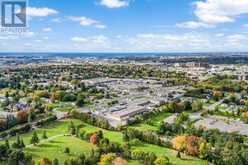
{"x":187,"y":144}
{"x":93,"y":138}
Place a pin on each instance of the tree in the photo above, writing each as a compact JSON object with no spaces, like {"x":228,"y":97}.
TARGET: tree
{"x":67,"y":150}
{"x":217,"y":94}
{"x":203,"y":149}
{"x":162,"y":160}
{"x":119,"y":161}
{"x":45,"y":161}
{"x":149,"y":158}
{"x":19,"y":143}
{"x":93,"y":138}
{"x":6,"y":94}
{"x":54,"y":96}
{"x":192,"y":145}
{"x":16,"y":157}
{"x":182,"y":117}
{"x":72,"y":128}
{"x":35,"y":139}
{"x":246,"y":103}
{"x":107,"y":159}
{"x":31,"y":115}
{"x":80,"y":100}
{"x":7,"y":143}
{"x":3,"y":152}
{"x":55,"y":161}
{"x":29,"y":118}
{"x":44,"y":135}
{"x":179,"y":143}
{"x":197,"y":105}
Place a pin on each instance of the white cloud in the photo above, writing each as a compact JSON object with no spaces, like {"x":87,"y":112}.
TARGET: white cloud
{"x":40,"y":12}
{"x":84,"y":21}
{"x":114,"y":3}
{"x":236,"y":40}
{"x":212,"y":12}
{"x":99,"y":40}
{"x":192,"y":42}
{"x":48,"y":29}
{"x":79,"y":39}
{"x":220,"y":35}
{"x":26,"y":34}
{"x":236,"y":37}
{"x":192,"y":25}
{"x":9,"y":37}
{"x":101,"y":26}
{"x":57,"y":20}
{"x":220,"y":11}
{"x":169,"y":42}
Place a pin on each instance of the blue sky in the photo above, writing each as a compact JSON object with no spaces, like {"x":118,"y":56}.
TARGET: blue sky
{"x":132,"y":26}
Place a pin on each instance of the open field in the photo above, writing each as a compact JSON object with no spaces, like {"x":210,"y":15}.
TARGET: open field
{"x":62,"y":106}
{"x":54,"y":148}
{"x":171,"y":154}
{"x":52,"y":129}
{"x":153,"y":123}
{"x":133,"y":162}
{"x":111,"y":135}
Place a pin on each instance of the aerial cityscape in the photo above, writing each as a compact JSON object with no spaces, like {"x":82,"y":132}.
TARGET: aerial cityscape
{"x":124,"y":82}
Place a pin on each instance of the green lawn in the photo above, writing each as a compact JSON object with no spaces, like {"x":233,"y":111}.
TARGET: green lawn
{"x":153,"y":123}
{"x":55,"y":147}
{"x":171,"y":154}
{"x":112,"y":135}
{"x":52,"y":129}
{"x":62,"y":106}
{"x":132,"y":162}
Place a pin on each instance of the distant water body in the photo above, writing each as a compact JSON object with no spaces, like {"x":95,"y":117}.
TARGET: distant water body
{"x":112,"y":55}
{"x":84,"y":55}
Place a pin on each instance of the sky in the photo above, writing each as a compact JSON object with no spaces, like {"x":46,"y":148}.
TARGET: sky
{"x":131,"y":26}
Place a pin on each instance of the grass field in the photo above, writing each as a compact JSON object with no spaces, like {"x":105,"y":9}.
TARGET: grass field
{"x":112,"y":135}
{"x":62,"y":106}
{"x":153,"y":123}
{"x":52,"y":129}
{"x":132,"y":162}
{"x":54,"y":148}
{"x":171,"y":154}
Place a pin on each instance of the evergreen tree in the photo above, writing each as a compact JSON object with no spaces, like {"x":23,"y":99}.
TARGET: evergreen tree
{"x":55,"y":161}
{"x":19,"y":143}
{"x":7,"y":143}
{"x":22,"y":145}
{"x":72,"y":128}
{"x":44,"y":135}
{"x":29,"y":118}
{"x":67,"y":150}
{"x":35,"y":139}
